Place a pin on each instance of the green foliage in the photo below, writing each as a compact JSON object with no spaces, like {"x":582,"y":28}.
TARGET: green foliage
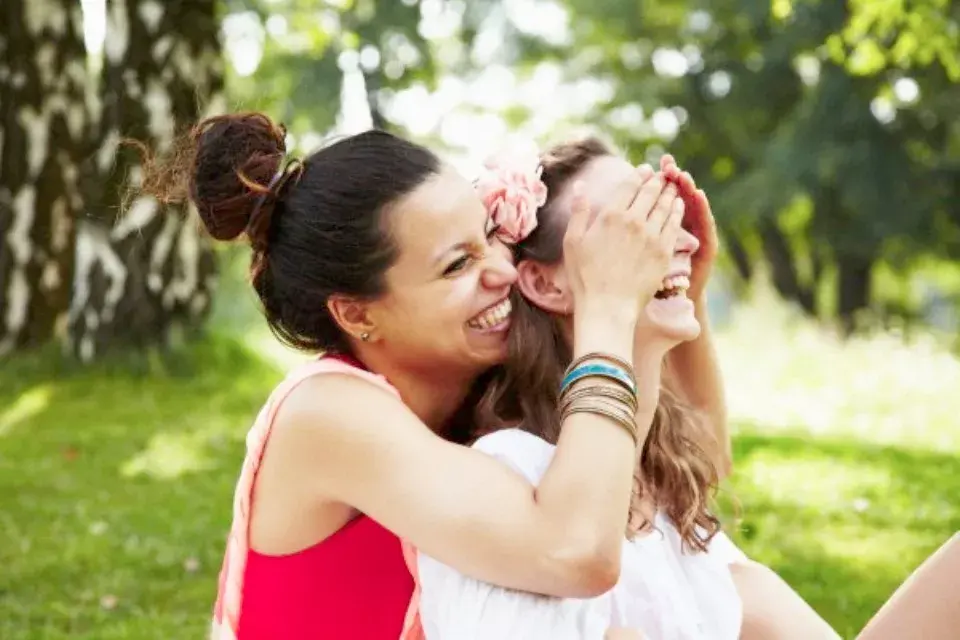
{"x":787,"y":99}
{"x":301,"y":73}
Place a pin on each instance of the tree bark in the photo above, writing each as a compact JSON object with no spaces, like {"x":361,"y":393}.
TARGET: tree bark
{"x":43,"y":118}
{"x":739,"y":256}
{"x":148,"y":271}
{"x":783,"y":269}
{"x":853,"y":289}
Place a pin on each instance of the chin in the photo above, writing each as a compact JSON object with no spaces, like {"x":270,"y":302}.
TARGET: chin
{"x":674,"y":319}
{"x":488,"y":355}
{"x":682,"y":332}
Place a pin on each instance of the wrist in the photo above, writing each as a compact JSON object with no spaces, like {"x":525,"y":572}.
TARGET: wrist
{"x":607,"y":329}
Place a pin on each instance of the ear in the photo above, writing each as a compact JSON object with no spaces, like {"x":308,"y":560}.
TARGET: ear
{"x":545,"y":286}
{"x":352,"y":315}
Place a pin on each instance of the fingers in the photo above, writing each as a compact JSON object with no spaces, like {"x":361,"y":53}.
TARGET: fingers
{"x":702,"y":199}
{"x":672,"y":226}
{"x":666,"y":161}
{"x":626,"y":193}
{"x":661,"y":207}
{"x":579,"y":216}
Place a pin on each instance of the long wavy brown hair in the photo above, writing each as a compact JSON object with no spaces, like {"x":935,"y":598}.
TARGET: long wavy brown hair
{"x":674,"y":467}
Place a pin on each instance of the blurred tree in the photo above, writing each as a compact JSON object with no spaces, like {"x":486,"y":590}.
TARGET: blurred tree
{"x":310,"y":48}
{"x":820,"y":153}
{"x":42,"y":121}
{"x":144,"y":269}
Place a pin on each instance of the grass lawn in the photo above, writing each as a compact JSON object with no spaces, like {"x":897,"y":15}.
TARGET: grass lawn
{"x":116,"y":486}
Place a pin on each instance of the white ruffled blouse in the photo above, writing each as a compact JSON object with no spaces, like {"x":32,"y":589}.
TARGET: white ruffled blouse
{"x":663,"y":592}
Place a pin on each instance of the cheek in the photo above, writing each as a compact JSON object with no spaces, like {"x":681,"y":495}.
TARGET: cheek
{"x":440,"y":308}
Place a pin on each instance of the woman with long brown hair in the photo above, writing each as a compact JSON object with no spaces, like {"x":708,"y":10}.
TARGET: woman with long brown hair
{"x":681,"y":577}
{"x":675,"y":580}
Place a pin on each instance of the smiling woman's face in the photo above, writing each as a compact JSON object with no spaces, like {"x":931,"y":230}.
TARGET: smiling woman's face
{"x":673,"y":314}
{"x":447,"y":294}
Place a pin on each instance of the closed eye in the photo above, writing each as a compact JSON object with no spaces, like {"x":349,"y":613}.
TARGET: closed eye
{"x":456,"y":265}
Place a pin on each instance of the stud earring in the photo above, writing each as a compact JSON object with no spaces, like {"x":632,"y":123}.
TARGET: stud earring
{"x":365,"y":336}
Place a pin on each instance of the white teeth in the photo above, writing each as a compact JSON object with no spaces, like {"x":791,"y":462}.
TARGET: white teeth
{"x":492,"y":317}
{"x":681,"y":283}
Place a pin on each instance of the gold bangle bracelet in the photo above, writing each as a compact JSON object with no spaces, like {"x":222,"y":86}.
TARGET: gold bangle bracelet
{"x":618,"y":413}
{"x":597,"y":390}
{"x":627,"y":425}
{"x":620,"y":409}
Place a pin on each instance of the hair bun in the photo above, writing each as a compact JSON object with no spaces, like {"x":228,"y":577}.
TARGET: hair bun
{"x":237,"y":158}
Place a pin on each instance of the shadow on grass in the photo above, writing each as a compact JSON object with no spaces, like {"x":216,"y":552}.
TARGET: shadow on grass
{"x":842,"y":521}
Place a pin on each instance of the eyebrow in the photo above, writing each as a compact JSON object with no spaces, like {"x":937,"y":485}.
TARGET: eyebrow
{"x":460,"y":246}
{"x":463,"y":246}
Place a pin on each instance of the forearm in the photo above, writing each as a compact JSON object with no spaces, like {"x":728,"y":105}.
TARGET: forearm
{"x":695,"y":372}
{"x":648,"y":369}
{"x":585,"y":491}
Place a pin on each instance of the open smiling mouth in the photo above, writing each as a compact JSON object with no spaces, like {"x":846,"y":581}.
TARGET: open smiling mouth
{"x":672,"y":287}
{"x":493,"y":317}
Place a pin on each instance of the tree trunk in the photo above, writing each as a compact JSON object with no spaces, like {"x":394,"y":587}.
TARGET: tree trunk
{"x":42,"y":121}
{"x":853,"y":289}
{"x":783,"y":270}
{"x":372,"y":83}
{"x":738,"y":254}
{"x":148,"y":271}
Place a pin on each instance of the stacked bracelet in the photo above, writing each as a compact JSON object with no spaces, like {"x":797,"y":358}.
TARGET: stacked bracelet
{"x":618,"y":402}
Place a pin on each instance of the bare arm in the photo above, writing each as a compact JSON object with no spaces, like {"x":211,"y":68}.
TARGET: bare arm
{"x":364,"y":448}
{"x":694,"y":371}
{"x":927,"y":605}
{"x":772,"y":610}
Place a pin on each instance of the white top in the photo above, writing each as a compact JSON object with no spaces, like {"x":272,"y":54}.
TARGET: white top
{"x":664,"y":592}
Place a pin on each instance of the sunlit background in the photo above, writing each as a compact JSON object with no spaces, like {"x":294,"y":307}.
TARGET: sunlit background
{"x":827,"y":136}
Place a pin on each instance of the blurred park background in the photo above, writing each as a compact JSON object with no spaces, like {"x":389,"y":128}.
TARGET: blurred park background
{"x":133,"y":359}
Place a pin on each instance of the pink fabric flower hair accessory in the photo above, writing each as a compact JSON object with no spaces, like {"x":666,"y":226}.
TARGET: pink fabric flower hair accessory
{"x":512,"y":191}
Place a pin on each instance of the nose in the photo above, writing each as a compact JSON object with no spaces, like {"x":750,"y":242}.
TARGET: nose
{"x":499,"y":272}
{"x":687,"y":243}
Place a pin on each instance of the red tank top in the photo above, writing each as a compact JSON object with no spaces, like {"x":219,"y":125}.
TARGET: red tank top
{"x":353,"y":585}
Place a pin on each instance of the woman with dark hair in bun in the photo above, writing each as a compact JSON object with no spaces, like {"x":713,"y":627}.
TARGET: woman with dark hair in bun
{"x":374,"y":254}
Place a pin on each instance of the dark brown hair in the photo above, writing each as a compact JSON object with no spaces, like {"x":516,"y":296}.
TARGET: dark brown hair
{"x":673,"y":467}
{"x":316,"y":226}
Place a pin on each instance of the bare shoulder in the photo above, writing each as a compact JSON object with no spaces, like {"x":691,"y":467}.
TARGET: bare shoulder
{"x":323,"y":405}
{"x":335,"y":432}
{"x":335,"y":420}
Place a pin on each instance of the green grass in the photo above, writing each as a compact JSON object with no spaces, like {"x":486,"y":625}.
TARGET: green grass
{"x":117,"y":492}
{"x":116,"y":486}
